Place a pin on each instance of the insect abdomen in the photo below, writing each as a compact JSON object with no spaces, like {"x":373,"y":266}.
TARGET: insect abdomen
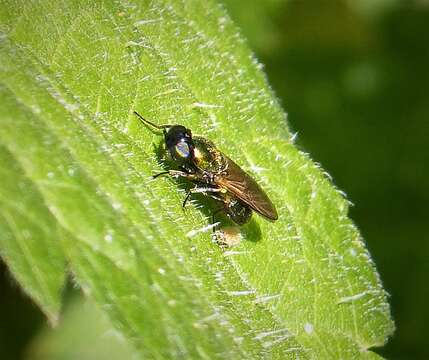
{"x":237,"y":211}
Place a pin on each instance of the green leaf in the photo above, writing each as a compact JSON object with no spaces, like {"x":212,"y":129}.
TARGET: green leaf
{"x":72,"y":74}
{"x":29,"y":238}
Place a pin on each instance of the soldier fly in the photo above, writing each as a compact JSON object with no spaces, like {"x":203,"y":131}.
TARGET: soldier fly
{"x":214,"y":174}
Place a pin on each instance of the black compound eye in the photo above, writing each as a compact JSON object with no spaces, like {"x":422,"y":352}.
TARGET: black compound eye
{"x":183,"y":149}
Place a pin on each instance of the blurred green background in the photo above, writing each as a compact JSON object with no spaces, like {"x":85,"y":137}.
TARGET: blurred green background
{"x":354,"y":79}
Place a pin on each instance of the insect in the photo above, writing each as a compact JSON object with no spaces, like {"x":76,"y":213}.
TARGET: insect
{"x":214,"y":174}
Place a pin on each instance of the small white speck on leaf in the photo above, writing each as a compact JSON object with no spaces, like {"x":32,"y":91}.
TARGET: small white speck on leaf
{"x":308,"y":328}
{"x":108,"y":238}
{"x":234,"y":252}
{"x":147,"y":21}
{"x":294,"y":137}
{"x":219,"y":276}
{"x":273,"y":333}
{"x":263,"y":299}
{"x":204,"y":105}
{"x":192,"y":233}
{"x":116,"y":206}
{"x":241,"y":293}
{"x":352,"y":298}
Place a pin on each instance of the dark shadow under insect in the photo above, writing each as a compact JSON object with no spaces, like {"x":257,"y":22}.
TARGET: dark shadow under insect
{"x":213,"y":174}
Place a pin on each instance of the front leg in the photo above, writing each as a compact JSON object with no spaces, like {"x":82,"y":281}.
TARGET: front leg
{"x":178,"y":173}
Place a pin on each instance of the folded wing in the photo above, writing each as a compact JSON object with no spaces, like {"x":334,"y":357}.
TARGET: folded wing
{"x":244,"y":187}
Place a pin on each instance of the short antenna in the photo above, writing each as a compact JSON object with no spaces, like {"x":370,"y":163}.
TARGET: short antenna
{"x":147,"y":122}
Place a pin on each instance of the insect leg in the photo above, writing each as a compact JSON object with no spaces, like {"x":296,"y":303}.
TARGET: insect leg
{"x":188,"y":195}
{"x":160,"y":174}
{"x":218,"y":197}
{"x":177,"y":173}
{"x":206,"y":190}
{"x":197,"y":190}
{"x":186,"y":175}
{"x":218,"y":210}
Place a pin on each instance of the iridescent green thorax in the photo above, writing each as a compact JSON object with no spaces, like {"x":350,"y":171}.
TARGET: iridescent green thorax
{"x":207,"y":157}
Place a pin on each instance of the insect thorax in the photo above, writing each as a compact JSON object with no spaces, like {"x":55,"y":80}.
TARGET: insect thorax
{"x":207,"y":157}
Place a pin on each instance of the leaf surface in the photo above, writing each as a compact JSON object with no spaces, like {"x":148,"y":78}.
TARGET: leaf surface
{"x":72,"y":75}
